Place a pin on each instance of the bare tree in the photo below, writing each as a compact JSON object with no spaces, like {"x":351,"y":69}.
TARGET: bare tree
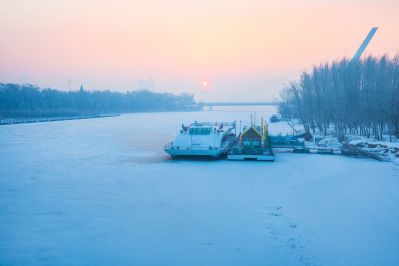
{"x":356,"y":97}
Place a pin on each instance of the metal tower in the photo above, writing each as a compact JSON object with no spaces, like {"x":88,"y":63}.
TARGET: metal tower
{"x":364,"y":44}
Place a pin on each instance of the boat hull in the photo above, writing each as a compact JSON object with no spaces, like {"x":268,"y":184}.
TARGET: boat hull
{"x":250,"y":157}
{"x":194,"y":153}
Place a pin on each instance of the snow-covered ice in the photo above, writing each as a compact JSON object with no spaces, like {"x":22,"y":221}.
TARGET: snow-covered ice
{"x":102,"y":192}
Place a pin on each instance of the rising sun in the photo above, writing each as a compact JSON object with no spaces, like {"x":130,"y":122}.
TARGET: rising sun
{"x":205,"y":83}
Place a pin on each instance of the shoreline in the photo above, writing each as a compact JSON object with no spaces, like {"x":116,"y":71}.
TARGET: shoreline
{"x":14,"y":121}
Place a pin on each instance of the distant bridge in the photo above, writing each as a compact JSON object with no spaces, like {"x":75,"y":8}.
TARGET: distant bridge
{"x":210,"y":105}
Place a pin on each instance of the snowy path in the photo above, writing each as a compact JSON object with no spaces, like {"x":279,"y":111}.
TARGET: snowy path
{"x":100,"y":192}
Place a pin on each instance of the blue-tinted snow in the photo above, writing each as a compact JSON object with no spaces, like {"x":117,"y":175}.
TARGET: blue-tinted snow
{"x":102,"y":192}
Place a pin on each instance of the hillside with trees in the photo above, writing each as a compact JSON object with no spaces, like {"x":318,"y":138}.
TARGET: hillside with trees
{"x":354,"y":97}
{"x":28,"y":101}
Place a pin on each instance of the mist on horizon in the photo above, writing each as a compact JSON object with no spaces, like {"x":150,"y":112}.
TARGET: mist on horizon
{"x":243,"y":50}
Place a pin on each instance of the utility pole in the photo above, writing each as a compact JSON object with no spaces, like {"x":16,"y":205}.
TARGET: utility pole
{"x":69,"y":84}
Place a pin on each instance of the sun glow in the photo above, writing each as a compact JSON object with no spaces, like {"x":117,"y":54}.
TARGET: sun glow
{"x":205,"y":83}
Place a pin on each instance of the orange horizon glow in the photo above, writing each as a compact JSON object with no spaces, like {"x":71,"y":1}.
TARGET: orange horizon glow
{"x":241,"y":46}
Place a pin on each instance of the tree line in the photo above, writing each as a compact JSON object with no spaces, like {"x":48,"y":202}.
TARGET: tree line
{"x":31,"y":101}
{"x":357,"y":97}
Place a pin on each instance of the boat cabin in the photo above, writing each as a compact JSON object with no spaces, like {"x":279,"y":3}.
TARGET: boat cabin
{"x":252,"y":145}
{"x":251,"y":138}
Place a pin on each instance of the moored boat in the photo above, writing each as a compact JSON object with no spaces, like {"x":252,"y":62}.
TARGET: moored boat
{"x":252,"y":144}
{"x":203,"y":139}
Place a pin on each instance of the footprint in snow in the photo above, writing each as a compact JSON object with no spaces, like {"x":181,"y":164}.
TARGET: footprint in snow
{"x":238,"y":248}
{"x":206,"y":244}
{"x":275,"y":211}
{"x":292,"y":225}
{"x":275,"y":214}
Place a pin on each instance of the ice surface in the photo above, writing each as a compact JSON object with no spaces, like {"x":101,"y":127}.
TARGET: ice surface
{"x":102,"y":192}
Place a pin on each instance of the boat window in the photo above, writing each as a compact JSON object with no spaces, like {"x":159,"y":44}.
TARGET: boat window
{"x":246,"y":143}
{"x":255,"y":143}
{"x":200,"y":131}
{"x":251,"y":143}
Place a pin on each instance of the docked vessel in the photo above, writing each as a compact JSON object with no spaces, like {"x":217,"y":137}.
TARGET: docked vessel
{"x":203,"y":139}
{"x":252,"y":144}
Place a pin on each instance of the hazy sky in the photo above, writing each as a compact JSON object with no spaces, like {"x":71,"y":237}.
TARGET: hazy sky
{"x":244,"y":49}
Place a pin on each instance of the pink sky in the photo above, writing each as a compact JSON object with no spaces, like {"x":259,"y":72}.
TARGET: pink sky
{"x":246,"y":50}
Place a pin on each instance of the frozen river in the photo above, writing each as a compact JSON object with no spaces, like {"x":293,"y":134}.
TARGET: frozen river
{"x":103,"y":192}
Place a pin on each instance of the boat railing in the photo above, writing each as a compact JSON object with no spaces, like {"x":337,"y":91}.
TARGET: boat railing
{"x":228,"y":124}
{"x":171,"y":146}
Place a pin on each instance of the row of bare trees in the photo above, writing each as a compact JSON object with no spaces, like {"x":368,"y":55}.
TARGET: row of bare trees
{"x":26,"y":101}
{"x":354,"y":97}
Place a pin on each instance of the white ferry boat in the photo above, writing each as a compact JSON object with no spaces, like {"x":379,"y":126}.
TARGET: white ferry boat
{"x":203,"y":139}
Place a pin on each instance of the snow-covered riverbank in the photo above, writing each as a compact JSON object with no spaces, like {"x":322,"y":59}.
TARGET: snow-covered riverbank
{"x":359,"y":146}
{"x":102,"y":191}
{"x":10,"y":121}
{"x":385,"y":149}
{"x":381,"y":150}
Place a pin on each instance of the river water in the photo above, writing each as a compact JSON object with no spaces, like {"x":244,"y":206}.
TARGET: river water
{"x":102,"y":192}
